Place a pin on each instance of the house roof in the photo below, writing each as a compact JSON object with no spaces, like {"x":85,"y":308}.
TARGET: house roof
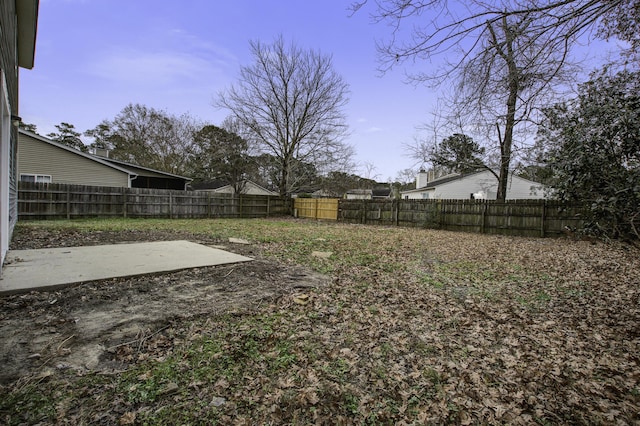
{"x":218,"y":184}
{"x":381,"y":192}
{"x":131,"y":169}
{"x":77,"y":152}
{"x":449,"y":178}
{"x":360,"y":191}
{"x":142,"y":171}
{"x":27,"y":13}
{"x":212,"y":184}
{"x":456,"y":176}
{"x":325,"y":193}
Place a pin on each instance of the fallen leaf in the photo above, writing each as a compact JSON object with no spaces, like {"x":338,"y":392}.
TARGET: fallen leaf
{"x":128,"y":418}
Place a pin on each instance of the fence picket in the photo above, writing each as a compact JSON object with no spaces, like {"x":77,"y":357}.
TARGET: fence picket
{"x":513,"y":217}
{"x":62,"y":201}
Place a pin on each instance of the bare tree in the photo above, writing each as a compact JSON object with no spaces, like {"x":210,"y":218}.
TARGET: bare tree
{"x":506,"y":57}
{"x":148,"y":137}
{"x":406,"y":178}
{"x":369,"y":170}
{"x":291,"y":100}
{"x":422,"y":147}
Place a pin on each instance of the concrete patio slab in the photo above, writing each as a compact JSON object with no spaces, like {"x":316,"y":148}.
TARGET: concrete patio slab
{"x":49,"y":269}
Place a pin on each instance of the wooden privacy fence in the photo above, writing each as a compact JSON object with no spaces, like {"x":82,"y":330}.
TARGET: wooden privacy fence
{"x":513,"y":217}
{"x":517,"y":217}
{"x":316,"y":208}
{"x":62,"y":201}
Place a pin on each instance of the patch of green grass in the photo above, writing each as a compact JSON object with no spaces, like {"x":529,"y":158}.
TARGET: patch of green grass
{"x":386,"y":349}
{"x":429,"y":280}
{"x":284,"y":357}
{"x":351,"y":403}
{"x":29,"y":405}
{"x":534,"y":300}
{"x":337,"y":369}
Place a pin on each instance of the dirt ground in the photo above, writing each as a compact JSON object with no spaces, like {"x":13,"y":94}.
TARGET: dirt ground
{"x":101,"y":325}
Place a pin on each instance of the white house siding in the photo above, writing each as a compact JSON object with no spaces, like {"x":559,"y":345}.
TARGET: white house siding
{"x":425,"y":194}
{"x":520,"y":189}
{"x":461,"y":189}
{"x":486,"y":182}
{"x":37,"y":157}
{"x":249,"y":189}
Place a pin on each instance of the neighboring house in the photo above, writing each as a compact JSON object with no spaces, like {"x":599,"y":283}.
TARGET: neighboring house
{"x":223,"y":187}
{"x":324,"y":193}
{"x":359,"y":194}
{"x":150,"y":178}
{"x":381,"y":193}
{"x":18,"y":27}
{"x":368,"y":194}
{"x":42,"y":160}
{"x":476,"y":185}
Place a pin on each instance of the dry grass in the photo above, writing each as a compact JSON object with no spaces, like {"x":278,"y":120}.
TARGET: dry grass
{"x":417,"y":327}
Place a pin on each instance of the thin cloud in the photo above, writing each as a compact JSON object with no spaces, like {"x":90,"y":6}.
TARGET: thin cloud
{"x":172,"y":56}
{"x":151,"y":68}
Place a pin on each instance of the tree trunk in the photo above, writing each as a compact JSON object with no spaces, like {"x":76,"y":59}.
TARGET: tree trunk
{"x":506,"y":143}
{"x":283,"y":187}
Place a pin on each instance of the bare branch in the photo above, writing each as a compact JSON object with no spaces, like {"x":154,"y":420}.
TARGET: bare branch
{"x":292,"y":102}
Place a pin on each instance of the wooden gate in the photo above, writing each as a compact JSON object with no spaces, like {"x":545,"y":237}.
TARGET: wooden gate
{"x":316,"y":208}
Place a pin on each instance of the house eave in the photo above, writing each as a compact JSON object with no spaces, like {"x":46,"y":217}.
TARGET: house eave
{"x":147,"y":169}
{"x":27,"y":13}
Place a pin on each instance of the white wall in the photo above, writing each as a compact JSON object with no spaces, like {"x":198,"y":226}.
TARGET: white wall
{"x":421,"y":195}
{"x":517,"y":188}
{"x":520,"y":188}
{"x":486,"y":182}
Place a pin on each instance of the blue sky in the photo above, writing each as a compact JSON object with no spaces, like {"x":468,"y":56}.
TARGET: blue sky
{"x":93,"y":57}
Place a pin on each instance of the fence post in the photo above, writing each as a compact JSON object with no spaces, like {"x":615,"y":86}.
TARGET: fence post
{"x":170,"y":207}
{"x":68,"y":203}
{"x":268,"y":205}
{"x":484,"y":214}
{"x":124,"y":202}
{"x":396,"y":212}
{"x":544,"y":218}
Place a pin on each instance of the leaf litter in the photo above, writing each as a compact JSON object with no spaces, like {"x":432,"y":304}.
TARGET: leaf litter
{"x":411,"y":326}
